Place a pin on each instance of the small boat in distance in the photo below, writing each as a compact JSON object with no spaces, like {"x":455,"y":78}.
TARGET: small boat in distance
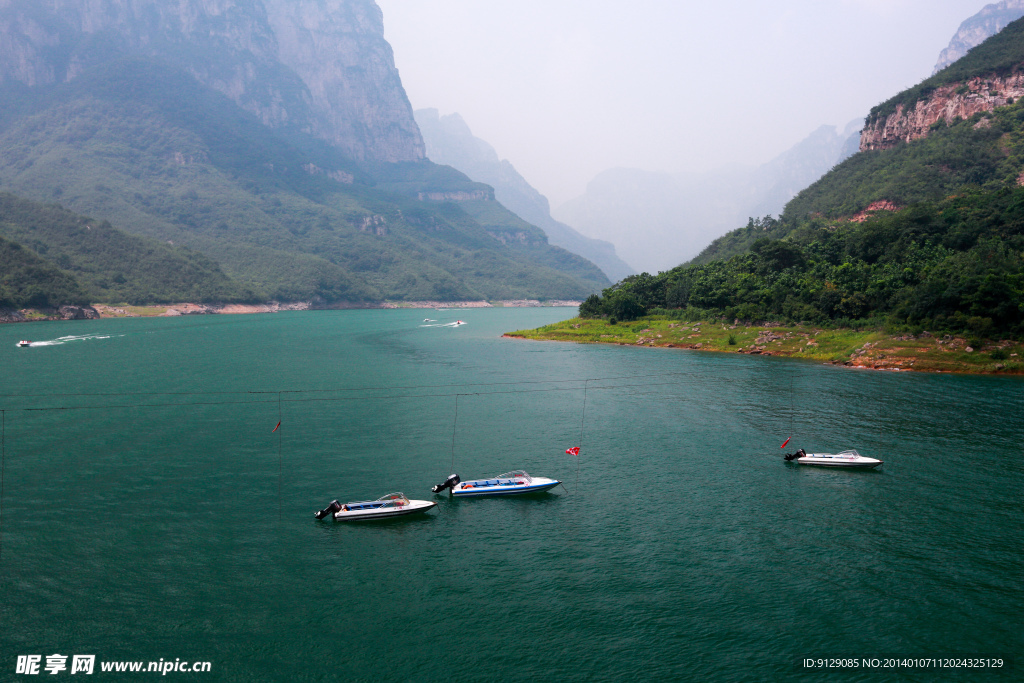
{"x":24,"y":342}
{"x":391,"y":505}
{"x":850,"y":458}
{"x":458,"y":322}
{"x":509,"y":483}
{"x":429,"y":320}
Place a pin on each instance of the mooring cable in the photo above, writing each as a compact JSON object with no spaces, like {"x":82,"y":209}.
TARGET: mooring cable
{"x":455,"y":422}
{"x":334,"y":399}
{"x":280,"y":459}
{"x":3,"y":468}
{"x":583,"y":418}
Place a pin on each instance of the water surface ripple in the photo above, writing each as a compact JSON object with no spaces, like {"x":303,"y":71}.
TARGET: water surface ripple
{"x":153,"y":518}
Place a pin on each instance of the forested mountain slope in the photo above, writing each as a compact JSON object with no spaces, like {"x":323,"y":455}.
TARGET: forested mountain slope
{"x":54,"y":257}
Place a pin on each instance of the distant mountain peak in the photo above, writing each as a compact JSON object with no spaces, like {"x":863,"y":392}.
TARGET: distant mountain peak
{"x":450,"y":141}
{"x":977,"y":29}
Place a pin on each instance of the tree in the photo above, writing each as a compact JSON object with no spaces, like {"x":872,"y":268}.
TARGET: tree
{"x":592,"y":308}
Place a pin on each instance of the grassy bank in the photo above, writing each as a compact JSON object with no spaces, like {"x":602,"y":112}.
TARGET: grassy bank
{"x":867,"y":348}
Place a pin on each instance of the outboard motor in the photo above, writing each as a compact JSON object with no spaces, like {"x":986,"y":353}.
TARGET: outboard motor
{"x":793,"y":456}
{"x":448,"y":483}
{"x":329,"y":510}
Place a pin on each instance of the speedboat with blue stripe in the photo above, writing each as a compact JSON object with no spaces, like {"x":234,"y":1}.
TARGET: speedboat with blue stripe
{"x":507,"y":484}
{"x":391,"y":505}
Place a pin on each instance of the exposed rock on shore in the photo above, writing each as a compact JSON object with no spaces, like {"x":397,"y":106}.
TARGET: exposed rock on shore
{"x":63,"y":313}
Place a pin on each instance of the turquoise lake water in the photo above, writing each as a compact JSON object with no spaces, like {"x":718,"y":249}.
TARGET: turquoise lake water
{"x":150,"y":512}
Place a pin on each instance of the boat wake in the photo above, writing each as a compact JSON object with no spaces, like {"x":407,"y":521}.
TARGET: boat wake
{"x":457,"y":324}
{"x":73,"y":338}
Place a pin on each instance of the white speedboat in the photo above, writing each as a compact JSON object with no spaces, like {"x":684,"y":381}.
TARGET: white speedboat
{"x":391,"y":505}
{"x":849,"y":458}
{"x":507,"y":484}
{"x":24,"y":342}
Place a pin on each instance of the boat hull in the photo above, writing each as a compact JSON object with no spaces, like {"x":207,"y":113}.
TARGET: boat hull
{"x":538,"y":485}
{"x":415,"y":507}
{"x":859,"y":462}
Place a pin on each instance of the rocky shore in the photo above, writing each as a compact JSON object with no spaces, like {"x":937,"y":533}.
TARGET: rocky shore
{"x":63,"y":313}
{"x":125,"y":311}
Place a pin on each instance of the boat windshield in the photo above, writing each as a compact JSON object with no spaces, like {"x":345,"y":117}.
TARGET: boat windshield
{"x":515,"y":474}
{"x":398,"y":499}
{"x":851,"y":452}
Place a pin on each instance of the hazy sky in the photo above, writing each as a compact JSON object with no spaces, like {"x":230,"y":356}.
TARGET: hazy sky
{"x":565,"y":89}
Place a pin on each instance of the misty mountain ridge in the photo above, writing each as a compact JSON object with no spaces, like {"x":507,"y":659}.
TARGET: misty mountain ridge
{"x":977,"y":29}
{"x":658,"y":219}
{"x":273,"y":137}
{"x":450,"y":141}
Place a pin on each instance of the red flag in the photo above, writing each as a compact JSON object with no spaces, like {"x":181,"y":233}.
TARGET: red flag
{"x":575,"y":450}
{"x":275,"y":428}
{"x":785,"y":442}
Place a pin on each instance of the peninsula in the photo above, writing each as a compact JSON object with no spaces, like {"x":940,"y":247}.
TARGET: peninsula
{"x":871,"y":349}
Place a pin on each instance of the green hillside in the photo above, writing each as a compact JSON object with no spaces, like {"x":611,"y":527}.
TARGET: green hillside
{"x":26,"y":280}
{"x":148,"y":149}
{"x":109,"y":265}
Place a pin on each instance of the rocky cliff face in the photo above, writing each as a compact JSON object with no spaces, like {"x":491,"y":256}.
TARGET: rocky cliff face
{"x":974,"y":31}
{"x":945,"y":104}
{"x":321,"y":66}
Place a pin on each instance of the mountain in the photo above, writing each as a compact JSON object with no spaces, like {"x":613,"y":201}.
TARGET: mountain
{"x":318,"y":66}
{"x":923,"y":229}
{"x":657,"y":219}
{"x":449,"y":141}
{"x":988,"y":76}
{"x":272,"y":136}
{"x":989,"y":21}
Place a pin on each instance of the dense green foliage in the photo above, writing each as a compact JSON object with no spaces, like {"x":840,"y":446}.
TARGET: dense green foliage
{"x":145,"y":147}
{"x":953,"y":264}
{"x":1000,"y":55}
{"x":110,"y":265}
{"x":737,"y":241}
{"x":29,"y":281}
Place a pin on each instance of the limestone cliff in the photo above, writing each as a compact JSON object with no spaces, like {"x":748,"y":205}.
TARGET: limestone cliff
{"x":945,"y":104}
{"x":321,"y":66}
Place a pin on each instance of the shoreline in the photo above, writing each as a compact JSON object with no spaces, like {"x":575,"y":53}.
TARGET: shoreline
{"x":98,"y":311}
{"x":857,"y":349}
